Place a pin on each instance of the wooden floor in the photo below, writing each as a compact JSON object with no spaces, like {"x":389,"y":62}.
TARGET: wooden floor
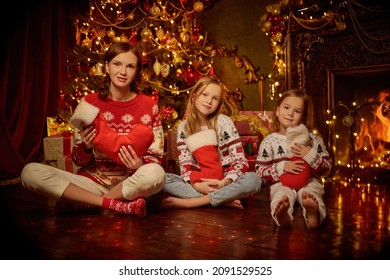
{"x":357,"y":227}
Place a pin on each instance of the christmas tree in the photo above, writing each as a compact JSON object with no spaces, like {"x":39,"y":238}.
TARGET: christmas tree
{"x":176,"y":51}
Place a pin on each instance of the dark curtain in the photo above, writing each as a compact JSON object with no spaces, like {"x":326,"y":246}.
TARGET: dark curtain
{"x":38,"y":39}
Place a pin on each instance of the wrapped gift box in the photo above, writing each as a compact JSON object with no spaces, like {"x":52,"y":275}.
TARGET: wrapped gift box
{"x":57,"y":126}
{"x":64,"y":163}
{"x":253,"y":122}
{"x":265,"y":117}
{"x":171,"y":163}
{"x":243,"y":128}
{"x":251,"y":144}
{"x":251,"y":161}
{"x":171,"y":145}
{"x":56,"y":147}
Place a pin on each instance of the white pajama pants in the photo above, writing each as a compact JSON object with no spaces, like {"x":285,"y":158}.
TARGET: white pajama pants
{"x":314,"y":187}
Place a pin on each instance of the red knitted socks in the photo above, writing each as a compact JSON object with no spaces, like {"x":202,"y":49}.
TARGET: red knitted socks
{"x":135,"y":208}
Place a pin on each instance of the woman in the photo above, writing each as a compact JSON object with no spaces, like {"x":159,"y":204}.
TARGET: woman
{"x":102,"y":180}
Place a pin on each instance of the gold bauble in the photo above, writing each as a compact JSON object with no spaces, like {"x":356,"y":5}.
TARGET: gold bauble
{"x":87,"y":43}
{"x":130,"y":16}
{"x":154,"y":11}
{"x":123,"y":38}
{"x":184,"y":37}
{"x":177,"y":60}
{"x":110,"y":33}
{"x":160,"y":33}
{"x":198,"y":7}
{"x":146,"y":33}
{"x":165,"y":68}
{"x":213,"y":52}
{"x":175,"y":115}
{"x":278,"y":37}
{"x":266,"y":26}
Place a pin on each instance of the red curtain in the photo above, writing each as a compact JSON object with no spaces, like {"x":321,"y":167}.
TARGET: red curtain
{"x":38,"y":39}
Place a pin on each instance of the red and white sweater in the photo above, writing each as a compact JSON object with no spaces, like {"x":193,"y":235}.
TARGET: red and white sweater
{"x":273,"y":154}
{"x":230,"y":150}
{"x":121,"y":117}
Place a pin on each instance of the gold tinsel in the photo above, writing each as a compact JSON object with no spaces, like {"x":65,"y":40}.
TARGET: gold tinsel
{"x":255,"y":124}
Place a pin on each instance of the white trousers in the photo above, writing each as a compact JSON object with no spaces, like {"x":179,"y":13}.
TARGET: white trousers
{"x":314,"y":187}
{"x":51,"y":182}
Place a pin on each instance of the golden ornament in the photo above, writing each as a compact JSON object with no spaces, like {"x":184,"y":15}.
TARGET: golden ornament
{"x":198,"y":7}
{"x":154,"y":11}
{"x":160,"y":33}
{"x":165,"y":70}
{"x":130,"y":16}
{"x":184,"y":37}
{"x":146,"y":33}
{"x":110,"y":33}
{"x":266,"y":26}
{"x":123,"y":38}
{"x":157,"y":67}
{"x":87,"y":43}
{"x":177,"y":60}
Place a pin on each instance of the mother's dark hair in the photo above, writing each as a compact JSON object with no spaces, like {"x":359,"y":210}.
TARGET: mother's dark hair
{"x":113,"y":51}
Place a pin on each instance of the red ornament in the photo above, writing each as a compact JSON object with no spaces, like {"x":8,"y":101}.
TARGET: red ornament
{"x":167,"y":112}
{"x":155,"y":94}
{"x":147,"y":6}
{"x":145,"y":60}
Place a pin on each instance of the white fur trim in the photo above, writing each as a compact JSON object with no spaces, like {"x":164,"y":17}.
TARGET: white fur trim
{"x":200,"y":139}
{"x":84,"y":114}
{"x":298,"y":134}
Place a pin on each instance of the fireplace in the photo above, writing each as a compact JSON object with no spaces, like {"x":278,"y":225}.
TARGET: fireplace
{"x":359,"y":123}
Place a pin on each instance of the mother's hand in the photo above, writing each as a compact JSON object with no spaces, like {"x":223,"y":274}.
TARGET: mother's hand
{"x":87,"y":135}
{"x":129,"y":158}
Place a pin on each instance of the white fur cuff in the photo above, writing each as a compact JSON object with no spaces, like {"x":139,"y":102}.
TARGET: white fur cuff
{"x":84,"y":114}
{"x":200,"y":139}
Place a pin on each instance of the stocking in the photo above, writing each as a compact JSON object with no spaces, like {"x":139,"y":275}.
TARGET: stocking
{"x":203,"y":146}
{"x":109,"y":142}
{"x":296,"y":180}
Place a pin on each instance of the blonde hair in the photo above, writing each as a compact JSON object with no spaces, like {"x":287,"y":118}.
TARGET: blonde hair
{"x":192,"y":119}
{"x":308,"y":114}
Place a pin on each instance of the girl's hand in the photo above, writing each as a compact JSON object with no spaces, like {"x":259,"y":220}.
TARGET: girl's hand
{"x":299,"y":150}
{"x":129,"y":158}
{"x":219,"y":184}
{"x":204,"y":187}
{"x":294,"y":167}
{"x":87,"y":135}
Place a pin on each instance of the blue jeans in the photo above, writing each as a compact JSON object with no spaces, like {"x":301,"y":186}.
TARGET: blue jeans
{"x":247,"y":184}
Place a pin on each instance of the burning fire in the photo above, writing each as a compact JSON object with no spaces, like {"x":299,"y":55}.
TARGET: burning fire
{"x":372,"y":142}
